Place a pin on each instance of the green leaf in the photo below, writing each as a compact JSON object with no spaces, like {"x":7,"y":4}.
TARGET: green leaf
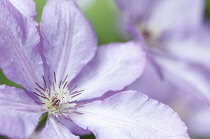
{"x":4,"y":80}
{"x":207,"y":9}
{"x":88,"y":137}
{"x":2,"y":137}
{"x":42,"y":122}
{"x":39,"y":7}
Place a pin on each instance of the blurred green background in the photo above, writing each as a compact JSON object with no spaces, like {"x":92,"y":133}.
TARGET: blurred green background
{"x":103,"y":16}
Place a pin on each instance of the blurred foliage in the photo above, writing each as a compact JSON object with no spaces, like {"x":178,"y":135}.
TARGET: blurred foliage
{"x":103,"y":16}
{"x":197,"y":138}
{"x":2,"y":137}
{"x":88,"y":137}
{"x":207,"y":9}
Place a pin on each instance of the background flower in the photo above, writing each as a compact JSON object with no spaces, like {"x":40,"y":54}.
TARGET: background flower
{"x":177,"y":42}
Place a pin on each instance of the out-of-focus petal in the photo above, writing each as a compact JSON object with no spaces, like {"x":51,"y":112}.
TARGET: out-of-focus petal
{"x":182,"y":100}
{"x":69,"y":40}
{"x":153,"y":85}
{"x":55,"y":130}
{"x":176,"y":15}
{"x":192,"y":49}
{"x":199,"y":122}
{"x":18,"y":113}
{"x":135,"y":9}
{"x":163,"y":16}
{"x":19,"y":56}
{"x":185,"y":77}
{"x":114,"y":67}
{"x":26,"y":7}
{"x":131,"y":114}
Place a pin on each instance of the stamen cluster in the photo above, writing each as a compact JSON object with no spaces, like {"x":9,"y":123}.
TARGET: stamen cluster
{"x":57,"y":98}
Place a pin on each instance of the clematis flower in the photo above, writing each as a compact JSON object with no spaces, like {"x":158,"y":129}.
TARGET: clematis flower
{"x":177,"y":42}
{"x":60,"y":67}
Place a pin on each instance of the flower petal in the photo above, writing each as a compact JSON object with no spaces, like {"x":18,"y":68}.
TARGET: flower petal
{"x":135,"y":8}
{"x":75,"y":129}
{"x":16,"y":99}
{"x":153,"y":86}
{"x":199,"y":122}
{"x":185,"y":76}
{"x":162,"y":15}
{"x":18,"y":124}
{"x":26,"y":7}
{"x":69,"y":40}
{"x":192,"y":49}
{"x":18,"y":113}
{"x":131,"y":114}
{"x":165,"y":14}
{"x":19,"y":56}
{"x":55,"y":130}
{"x":184,"y":102}
{"x":114,"y":67}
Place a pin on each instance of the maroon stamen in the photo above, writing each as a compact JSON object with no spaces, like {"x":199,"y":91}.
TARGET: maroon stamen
{"x":72,"y":101}
{"x":65,"y":85}
{"x":79,"y":106}
{"x":40,"y":86}
{"x":55,"y":102}
{"x":75,"y":95}
{"x":60,"y":84}
{"x":40,"y":92}
{"x":54,"y":77}
{"x":36,"y":94}
{"x":39,"y":102}
{"x":44,"y":82}
{"x":76,"y":112}
{"x":72,"y":82}
{"x":73,"y":88}
{"x":44,"y":97}
{"x":65,"y":79}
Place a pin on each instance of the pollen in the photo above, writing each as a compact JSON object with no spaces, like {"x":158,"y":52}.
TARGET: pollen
{"x":58,"y":98}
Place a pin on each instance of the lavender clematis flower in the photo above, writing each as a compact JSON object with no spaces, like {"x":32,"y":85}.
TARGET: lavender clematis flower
{"x":167,"y":39}
{"x":65,"y":68}
{"x":178,"y":47}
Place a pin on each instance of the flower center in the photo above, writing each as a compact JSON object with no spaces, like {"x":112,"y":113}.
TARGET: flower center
{"x":58,"y":99}
{"x":150,"y":33}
